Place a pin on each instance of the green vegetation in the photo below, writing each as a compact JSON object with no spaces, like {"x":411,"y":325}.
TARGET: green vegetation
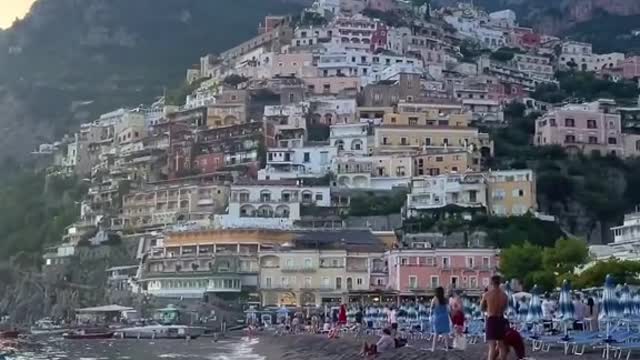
{"x":34,"y":211}
{"x":179,"y":95}
{"x":585,"y":86}
{"x":622,"y":272}
{"x":543,"y":266}
{"x":609,"y":33}
{"x":502,"y":232}
{"x":371,"y":204}
{"x":117,"y":53}
{"x":504,"y":54}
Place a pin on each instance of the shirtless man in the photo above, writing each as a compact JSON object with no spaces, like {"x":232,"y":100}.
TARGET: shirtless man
{"x":495,"y":302}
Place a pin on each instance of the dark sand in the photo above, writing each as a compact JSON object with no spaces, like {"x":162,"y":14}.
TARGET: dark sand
{"x":315,"y":347}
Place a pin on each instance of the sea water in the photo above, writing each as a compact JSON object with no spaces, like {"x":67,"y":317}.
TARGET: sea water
{"x":130,"y":349}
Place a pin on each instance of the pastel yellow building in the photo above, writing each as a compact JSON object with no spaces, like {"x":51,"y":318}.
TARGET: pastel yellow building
{"x":511,"y":192}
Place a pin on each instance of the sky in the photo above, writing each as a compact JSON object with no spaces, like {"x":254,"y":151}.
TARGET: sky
{"x":10,"y":9}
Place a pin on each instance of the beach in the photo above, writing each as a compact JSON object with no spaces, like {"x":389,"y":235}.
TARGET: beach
{"x":317,"y":347}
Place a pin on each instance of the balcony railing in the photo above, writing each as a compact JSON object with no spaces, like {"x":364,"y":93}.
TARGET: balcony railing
{"x":356,"y":268}
{"x":302,"y":269}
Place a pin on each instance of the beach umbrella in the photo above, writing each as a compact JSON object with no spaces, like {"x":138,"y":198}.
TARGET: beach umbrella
{"x":626,"y":302}
{"x":567,"y":310}
{"x":523,"y":310}
{"x":609,"y":303}
{"x":609,"y":309}
{"x":534,"y":313}
{"x":510,"y":313}
{"x":423,"y":313}
{"x":468,"y":307}
{"x":636,"y":304}
{"x":351,"y":315}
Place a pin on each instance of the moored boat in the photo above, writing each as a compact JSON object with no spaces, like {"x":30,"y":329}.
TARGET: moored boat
{"x":160,"y":332}
{"x":47,"y":327}
{"x":88,"y":335}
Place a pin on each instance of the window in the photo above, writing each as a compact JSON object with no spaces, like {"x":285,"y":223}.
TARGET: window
{"x":569,"y":122}
{"x":404,"y":261}
{"x":284,"y":282}
{"x":384,"y":141}
{"x":470,"y":262}
{"x":570,"y":139}
{"x":435,"y":281}
{"x":338,"y":283}
{"x":324,"y":157}
{"x":359,"y":281}
{"x":445,"y":262}
{"x":454,"y":282}
{"x":427,"y":141}
{"x":612,"y":141}
{"x":267,"y":282}
{"x":593,"y":139}
{"x":318,"y":197}
{"x":473,"y":282}
{"x":307,"y":282}
{"x":445,"y":141}
{"x":307,"y":157}
{"x":325,"y":283}
{"x":289,"y":263}
{"x":307,"y":263}
{"x":439,"y":159}
{"x":413,"y":282}
{"x":403,"y":141}
{"x":591,"y":124}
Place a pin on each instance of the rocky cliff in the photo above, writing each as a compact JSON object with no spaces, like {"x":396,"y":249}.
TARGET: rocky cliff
{"x":69,"y":60}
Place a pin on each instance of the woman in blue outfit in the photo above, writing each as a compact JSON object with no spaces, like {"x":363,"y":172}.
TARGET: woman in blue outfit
{"x":440,"y":319}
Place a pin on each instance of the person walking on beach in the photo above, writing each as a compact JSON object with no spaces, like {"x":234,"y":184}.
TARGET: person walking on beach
{"x":440,"y":318}
{"x":494,"y":303}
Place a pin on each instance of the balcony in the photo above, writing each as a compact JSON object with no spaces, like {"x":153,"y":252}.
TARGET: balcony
{"x":357,"y":268}
{"x":298,"y":269}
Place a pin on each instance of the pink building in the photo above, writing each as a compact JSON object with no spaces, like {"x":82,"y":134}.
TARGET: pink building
{"x":631,"y":67}
{"x":379,"y":37}
{"x":420,"y":271}
{"x":586,"y":128}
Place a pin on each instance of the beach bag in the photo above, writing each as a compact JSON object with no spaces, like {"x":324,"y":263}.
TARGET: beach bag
{"x":460,"y":342}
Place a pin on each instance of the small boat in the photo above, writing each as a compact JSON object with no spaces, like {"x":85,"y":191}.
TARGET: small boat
{"x":47,"y":327}
{"x":88,"y":335}
{"x":9,"y":334}
{"x":160,"y":332}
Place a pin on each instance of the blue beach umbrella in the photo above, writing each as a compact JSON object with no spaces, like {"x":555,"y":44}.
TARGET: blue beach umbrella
{"x":567,"y":310}
{"x":636,"y":304}
{"x":468,"y":307}
{"x":626,"y":302}
{"x":609,"y":304}
{"x":523,"y":311}
{"x":511,"y":310}
{"x":423,"y":313}
{"x":534,"y":314}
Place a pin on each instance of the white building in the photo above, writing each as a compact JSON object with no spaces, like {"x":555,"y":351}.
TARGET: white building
{"x":581,"y":54}
{"x":333,"y":111}
{"x":380,"y":172}
{"x":298,"y":162}
{"x":350,"y":138}
{"x":467,"y":190}
{"x":626,"y":241}
{"x":271,"y":203}
{"x":205,"y":95}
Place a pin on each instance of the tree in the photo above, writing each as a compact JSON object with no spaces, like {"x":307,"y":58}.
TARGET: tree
{"x":565,"y":255}
{"x":502,"y":55}
{"x":622,"y":272}
{"x":234,"y":79}
{"x":521,"y":262}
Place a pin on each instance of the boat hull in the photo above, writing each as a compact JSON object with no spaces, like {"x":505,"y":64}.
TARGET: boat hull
{"x":160,"y":332}
{"x":75,"y":336}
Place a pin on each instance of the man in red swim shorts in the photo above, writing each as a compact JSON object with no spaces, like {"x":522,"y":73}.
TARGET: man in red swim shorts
{"x":495,"y":302}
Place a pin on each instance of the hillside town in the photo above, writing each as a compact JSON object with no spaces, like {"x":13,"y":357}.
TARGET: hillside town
{"x":320,"y":161}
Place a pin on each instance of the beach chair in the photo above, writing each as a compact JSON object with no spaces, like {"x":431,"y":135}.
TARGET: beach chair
{"x":475,"y":331}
